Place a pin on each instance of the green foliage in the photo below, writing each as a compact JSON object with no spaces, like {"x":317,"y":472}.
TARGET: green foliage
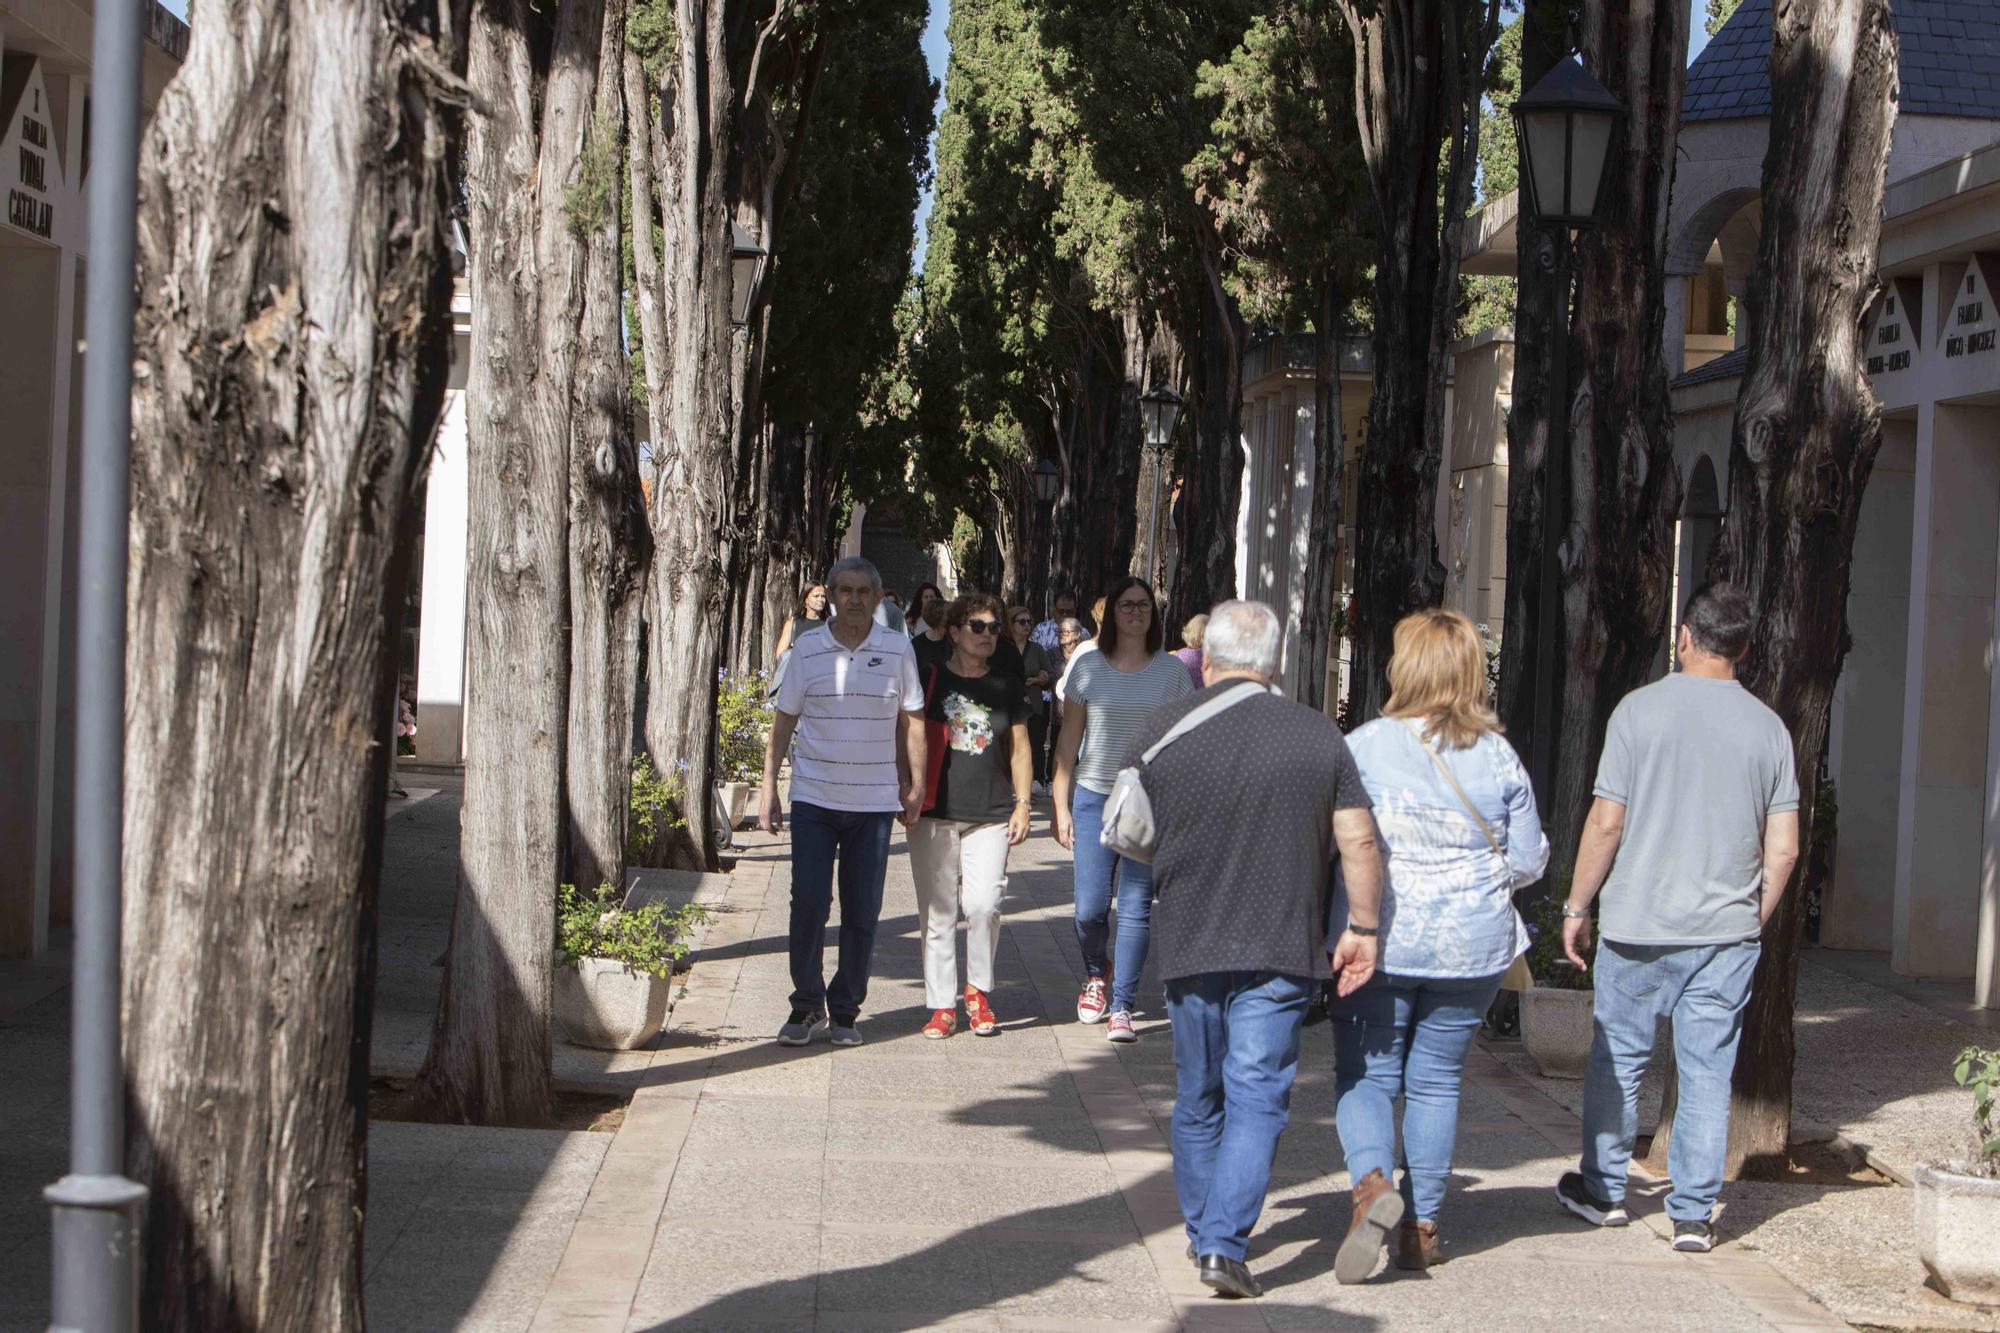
{"x":1979,"y":1070}
{"x":647,"y":939}
{"x":589,"y":200}
{"x":657,"y":802}
{"x":742,"y":724}
{"x":649,"y":30}
{"x":1487,"y":301}
{"x":1719,"y":12}
{"x":1546,"y":960}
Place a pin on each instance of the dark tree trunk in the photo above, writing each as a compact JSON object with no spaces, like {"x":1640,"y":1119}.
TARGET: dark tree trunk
{"x":535,"y":72}
{"x":1322,"y":577}
{"x":1624,"y":490}
{"x":292,"y":346}
{"x":1418,"y":76}
{"x":1807,"y":429}
{"x":610,"y":543}
{"x":1212,"y":483}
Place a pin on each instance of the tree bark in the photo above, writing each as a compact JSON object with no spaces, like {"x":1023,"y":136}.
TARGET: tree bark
{"x":1322,"y":578}
{"x":610,"y":542}
{"x":1418,"y":77}
{"x":291,"y":359}
{"x":1807,"y":429}
{"x":1624,"y":492}
{"x":1212,"y":483}
{"x":535,"y":71}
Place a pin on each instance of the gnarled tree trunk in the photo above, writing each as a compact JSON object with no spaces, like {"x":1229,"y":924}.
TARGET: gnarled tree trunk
{"x":1322,"y":577}
{"x":529,"y":155}
{"x":1419,"y":70}
{"x":1212,"y":483}
{"x":292,"y":345}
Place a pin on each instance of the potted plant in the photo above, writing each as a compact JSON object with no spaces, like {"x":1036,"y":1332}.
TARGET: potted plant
{"x":614,"y":973}
{"x":1557,"y":1013}
{"x":742,"y":723}
{"x":1958,"y":1202}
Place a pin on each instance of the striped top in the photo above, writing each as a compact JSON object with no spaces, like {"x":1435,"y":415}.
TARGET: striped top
{"x":844,"y":750}
{"x":1116,"y":706}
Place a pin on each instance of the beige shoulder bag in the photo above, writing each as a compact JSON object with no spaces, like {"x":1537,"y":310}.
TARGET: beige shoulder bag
{"x":1518,"y":977}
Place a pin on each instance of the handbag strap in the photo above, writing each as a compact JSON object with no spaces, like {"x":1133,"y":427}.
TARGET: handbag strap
{"x":1196,"y":716}
{"x":1463,"y":799}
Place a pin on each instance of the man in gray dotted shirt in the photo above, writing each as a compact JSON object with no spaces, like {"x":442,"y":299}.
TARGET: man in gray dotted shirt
{"x":1251,"y":806}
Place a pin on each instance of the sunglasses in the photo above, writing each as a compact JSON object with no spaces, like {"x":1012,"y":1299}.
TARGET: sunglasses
{"x":983,"y":626}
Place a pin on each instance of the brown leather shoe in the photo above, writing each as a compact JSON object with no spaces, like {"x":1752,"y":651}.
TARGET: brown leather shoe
{"x":1418,"y":1247}
{"x":1377,"y":1208}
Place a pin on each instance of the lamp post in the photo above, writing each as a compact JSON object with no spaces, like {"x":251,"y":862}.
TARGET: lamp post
{"x":746,"y":271}
{"x":1159,"y":416}
{"x":1046,"y":478}
{"x":1564,"y":125}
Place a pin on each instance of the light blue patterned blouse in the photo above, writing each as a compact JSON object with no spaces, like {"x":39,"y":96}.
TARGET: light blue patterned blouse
{"x":1447,"y":900}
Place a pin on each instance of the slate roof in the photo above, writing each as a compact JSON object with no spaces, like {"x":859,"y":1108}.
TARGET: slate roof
{"x":1950,"y":62}
{"x":1727,"y":366}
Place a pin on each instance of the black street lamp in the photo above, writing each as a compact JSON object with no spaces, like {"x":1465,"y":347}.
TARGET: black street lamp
{"x":1159,"y":416}
{"x":746,"y":270}
{"x":1047,"y":478}
{"x":1565,"y":125}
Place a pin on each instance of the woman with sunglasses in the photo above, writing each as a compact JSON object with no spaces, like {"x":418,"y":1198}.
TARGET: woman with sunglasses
{"x":977,"y":809}
{"x":1109,"y":695}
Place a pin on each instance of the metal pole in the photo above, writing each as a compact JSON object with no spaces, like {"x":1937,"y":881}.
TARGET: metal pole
{"x":95,"y":1209}
{"x":1555,"y":498}
{"x":1153,"y":539}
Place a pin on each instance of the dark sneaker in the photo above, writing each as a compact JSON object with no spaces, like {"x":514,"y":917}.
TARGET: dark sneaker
{"x":1694,"y":1237}
{"x":1574,"y":1195}
{"x":801,"y":1027}
{"x":845,"y":1033}
{"x":1229,"y":1277}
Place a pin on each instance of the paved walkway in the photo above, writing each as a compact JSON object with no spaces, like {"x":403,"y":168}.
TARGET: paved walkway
{"x":1024,"y":1181}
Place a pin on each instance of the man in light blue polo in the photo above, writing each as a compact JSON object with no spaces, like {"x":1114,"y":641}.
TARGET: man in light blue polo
{"x":852,"y":698}
{"x":1692,"y":837}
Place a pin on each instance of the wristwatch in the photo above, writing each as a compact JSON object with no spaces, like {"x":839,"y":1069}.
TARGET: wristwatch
{"x":1576,"y":913}
{"x":1366,"y":932}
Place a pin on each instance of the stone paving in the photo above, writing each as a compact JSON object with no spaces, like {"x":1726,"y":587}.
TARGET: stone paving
{"x":1023,"y":1181}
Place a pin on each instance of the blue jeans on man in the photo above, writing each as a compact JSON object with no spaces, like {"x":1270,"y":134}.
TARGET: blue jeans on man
{"x":1406,"y":1037}
{"x":1703,"y":988}
{"x":859,"y":842}
{"x":1097,"y":869}
{"x":1236,"y":1051}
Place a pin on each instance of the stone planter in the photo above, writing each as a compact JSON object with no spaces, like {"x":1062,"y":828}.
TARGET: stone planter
{"x":1556,"y":1030}
{"x":1958,"y":1231}
{"x":608,"y":1006}
{"x":733,"y":798}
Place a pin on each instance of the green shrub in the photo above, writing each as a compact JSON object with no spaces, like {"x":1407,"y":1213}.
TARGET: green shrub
{"x":657,"y":805}
{"x":1979,"y":1070}
{"x":742,"y":723}
{"x":1551,"y":967}
{"x":649,"y":939}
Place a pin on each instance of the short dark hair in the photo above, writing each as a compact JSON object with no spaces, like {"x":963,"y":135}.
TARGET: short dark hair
{"x":1719,"y":618}
{"x":1107,"y":633}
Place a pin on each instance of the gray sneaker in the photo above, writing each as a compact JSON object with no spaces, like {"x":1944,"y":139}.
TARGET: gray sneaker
{"x":802,"y":1027}
{"x":1694,"y":1237}
{"x":845,"y":1033}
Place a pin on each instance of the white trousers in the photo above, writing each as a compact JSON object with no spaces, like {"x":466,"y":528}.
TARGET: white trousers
{"x":958,"y":867}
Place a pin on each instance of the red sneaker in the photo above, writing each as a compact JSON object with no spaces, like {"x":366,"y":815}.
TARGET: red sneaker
{"x":979,"y":1014}
{"x":943,"y":1023}
{"x":1091,"y":1000}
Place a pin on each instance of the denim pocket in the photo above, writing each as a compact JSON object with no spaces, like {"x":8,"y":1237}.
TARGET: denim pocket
{"x":1634,"y":977}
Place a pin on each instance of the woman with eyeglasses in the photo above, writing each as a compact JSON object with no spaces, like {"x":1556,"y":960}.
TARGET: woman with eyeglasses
{"x":976,"y":810}
{"x":1109,"y":696}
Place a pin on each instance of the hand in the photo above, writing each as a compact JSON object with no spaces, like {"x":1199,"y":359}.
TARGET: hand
{"x":769,"y":817}
{"x":1353,"y":959}
{"x":1065,"y":829}
{"x":1576,"y":938}
{"x":913,"y":805}
{"x":1018,"y":826}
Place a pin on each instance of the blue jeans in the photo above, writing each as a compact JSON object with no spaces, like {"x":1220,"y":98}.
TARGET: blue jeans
{"x":1406,"y":1037}
{"x":1097,"y":866}
{"x":1236,"y":1051}
{"x":1703,"y":988}
{"x":860,"y":842}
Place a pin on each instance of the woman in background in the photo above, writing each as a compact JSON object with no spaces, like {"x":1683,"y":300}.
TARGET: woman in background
{"x":812,"y":612}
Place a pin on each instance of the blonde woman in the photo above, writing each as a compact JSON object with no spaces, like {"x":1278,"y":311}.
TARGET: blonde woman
{"x":1459,"y":833}
{"x":1192,"y":635}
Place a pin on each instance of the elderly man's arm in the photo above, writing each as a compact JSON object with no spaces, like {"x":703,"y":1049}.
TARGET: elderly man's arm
{"x":1603,"y":830}
{"x":769,"y":818}
{"x":1353,"y":956}
{"x":1781,"y":855}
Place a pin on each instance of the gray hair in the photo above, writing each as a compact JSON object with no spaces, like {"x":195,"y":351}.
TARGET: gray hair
{"x":854,"y":564}
{"x":1071,"y":625}
{"x":1243,"y":636}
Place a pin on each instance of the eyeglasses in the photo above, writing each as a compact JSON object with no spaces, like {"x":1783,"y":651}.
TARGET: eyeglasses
{"x":1024,"y":620}
{"x":983,"y":626}
{"x":1133,"y":608}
